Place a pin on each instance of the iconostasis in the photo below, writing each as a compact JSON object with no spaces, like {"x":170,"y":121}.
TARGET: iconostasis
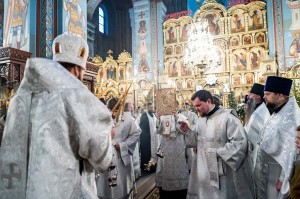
{"x":240,"y":37}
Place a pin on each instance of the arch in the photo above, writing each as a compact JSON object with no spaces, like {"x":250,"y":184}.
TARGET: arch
{"x":91,"y":7}
{"x":103,"y":19}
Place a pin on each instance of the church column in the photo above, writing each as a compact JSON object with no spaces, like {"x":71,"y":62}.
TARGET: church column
{"x":45,"y":27}
{"x":91,"y":38}
{"x":279,"y":40}
{"x":147,"y":38}
{"x":158,"y":15}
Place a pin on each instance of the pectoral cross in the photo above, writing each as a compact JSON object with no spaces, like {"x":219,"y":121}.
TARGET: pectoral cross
{"x":12,"y":174}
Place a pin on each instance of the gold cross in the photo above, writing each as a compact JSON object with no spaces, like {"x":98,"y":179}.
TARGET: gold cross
{"x":109,"y":52}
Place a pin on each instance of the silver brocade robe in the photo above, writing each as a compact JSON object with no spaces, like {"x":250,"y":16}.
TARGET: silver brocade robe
{"x":127,"y":135}
{"x":53,"y":122}
{"x":191,"y":156}
{"x":172,"y":171}
{"x":253,"y":128}
{"x":136,"y":155}
{"x":221,"y":148}
{"x":276,"y":152}
{"x":154,"y":137}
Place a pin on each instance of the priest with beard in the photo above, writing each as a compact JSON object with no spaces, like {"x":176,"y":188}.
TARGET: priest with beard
{"x":257,"y":114}
{"x":148,"y":138}
{"x":276,"y":150}
{"x":221,"y":148}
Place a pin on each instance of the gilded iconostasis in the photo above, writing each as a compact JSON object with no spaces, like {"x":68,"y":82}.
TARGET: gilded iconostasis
{"x":240,"y":37}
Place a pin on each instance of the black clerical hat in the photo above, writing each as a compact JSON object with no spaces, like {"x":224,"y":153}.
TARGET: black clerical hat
{"x":278,"y":85}
{"x":258,"y":89}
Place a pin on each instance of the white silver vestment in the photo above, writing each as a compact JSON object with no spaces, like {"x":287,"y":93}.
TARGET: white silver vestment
{"x":221,"y":148}
{"x":53,"y":123}
{"x":276,"y":152}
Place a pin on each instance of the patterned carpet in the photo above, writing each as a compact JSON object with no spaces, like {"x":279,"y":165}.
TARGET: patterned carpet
{"x":154,"y":194}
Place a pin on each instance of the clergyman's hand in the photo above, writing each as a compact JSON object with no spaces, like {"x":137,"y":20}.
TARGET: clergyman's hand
{"x":113,"y":133}
{"x":158,"y":114}
{"x":117,"y":147}
{"x":278,"y":185}
{"x":175,"y":113}
{"x":184,"y":126}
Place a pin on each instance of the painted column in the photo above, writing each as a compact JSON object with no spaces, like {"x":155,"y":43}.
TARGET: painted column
{"x":46,"y":29}
{"x":279,"y":31}
{"x":147,"y":38}
{"x":91,"y":38}
{"x":141,"y":40}
{"x":161,"y":16}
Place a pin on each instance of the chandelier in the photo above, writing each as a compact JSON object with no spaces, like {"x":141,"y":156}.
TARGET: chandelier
{"x":201,"y":51}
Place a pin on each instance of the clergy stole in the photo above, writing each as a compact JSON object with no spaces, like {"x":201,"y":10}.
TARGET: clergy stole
{"x":253,"y":128}
{"x":152,"y":125}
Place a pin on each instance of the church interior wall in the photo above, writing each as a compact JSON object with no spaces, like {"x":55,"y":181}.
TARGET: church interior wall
{"x":174,"y":6}
{"x":118,"y":38}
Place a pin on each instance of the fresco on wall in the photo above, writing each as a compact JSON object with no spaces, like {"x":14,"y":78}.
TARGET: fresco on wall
{"x":143,"y":65}
{"x":291,"y":25}
{"x":142,"y":33}
{"x":74,"y":16}
{"x":295,"y":45}
{"x":16,"y":24}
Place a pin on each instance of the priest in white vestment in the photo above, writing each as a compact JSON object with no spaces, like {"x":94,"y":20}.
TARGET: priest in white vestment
{"x":57,"y":132}
{"x":276,"y":150}
{"x":259,"y":114}
{"x":172,"y":174}
{"x":221,"y":148}
{"x":127,"y":135}
{"x":129,"y":107}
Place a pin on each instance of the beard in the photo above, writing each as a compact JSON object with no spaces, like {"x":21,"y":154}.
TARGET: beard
{"x":202,"y":114}
{"x":151,"y":113}
{"x":250,"y":109}
{"x":270,"y":105}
